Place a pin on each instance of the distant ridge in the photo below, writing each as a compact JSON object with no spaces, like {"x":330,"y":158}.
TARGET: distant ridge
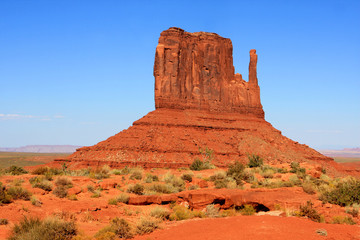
{"x":346,"y":152}
{"x":43,"y":149}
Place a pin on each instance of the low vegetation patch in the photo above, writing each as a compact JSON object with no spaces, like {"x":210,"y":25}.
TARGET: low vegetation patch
{"x":198,"y":165}
{"x":19,"y":193}
{"x":119,"y":227}
{"x":343,"y":220}
{"x":146,"y":225}
{"x":308,"y":211}
{"x":345,"y":193}
{"x":137,"y":189}
{"x":160,"y":212}
{"x":255,"y":161}
{"x":51,"y":228}
{"x":15,"y":170}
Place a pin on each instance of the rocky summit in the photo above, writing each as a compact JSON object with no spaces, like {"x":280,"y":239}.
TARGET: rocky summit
{"x":203,"y":110}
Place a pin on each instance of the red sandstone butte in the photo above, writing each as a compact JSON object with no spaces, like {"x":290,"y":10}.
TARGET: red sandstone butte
{"x":200,"y":103}
{"x":195,"y":71}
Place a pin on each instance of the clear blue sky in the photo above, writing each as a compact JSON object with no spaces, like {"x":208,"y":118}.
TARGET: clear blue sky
{"x":77,"y":72}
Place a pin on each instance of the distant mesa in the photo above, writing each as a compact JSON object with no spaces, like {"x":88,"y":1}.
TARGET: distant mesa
{"x":200,"y":104}
{"x":43,"y":149}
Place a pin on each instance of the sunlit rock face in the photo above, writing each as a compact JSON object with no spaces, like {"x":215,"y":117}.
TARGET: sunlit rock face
{"x":195,"y":71}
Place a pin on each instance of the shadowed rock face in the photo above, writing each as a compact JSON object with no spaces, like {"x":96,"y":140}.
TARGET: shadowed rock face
{"x":195,"y":71}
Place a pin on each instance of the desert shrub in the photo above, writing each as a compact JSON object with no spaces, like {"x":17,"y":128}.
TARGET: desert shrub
{"x":212,"y":211}
{"x":236,"y":171}
{"x":60,"y":191}
{"x":72,"y":197}
{"x":63,"y":181}
{"x":255,"y":161}
{"x":308,"y":187}
{"x":137,"y":174}
{"x":175,"y":181}
{"x":295,"y":180}
{"x":17,"y":182}
{"x":343,"y":220}
{"x":100,"y":173}
{"x":146,"y":225}
{"x":119,"y":227}
{"x":282,"y":170}
{"x":295,"y":168}
{"x":345,"y":193}
{"x":137,"y":189}
{"x":248,"y":176}
{"x":228,"y":212}
{"x":90,"y":188}
{"x":4,"y":221}
{"x":40,"y":170}
{"x":180,"y":213}
{"x":353,"y":211}
{"x":187,"y":177}
{"x":193,"y":187}
{"x":36,"y":179}
{"x":162,"y":188}
{"x":15,"y":170}
{"x":19,"y":193}
{"x":123,"y":197}
{"x":96,"y":194}
{"x":160,"y":212}
{"x":198,"y":165}
{"x":268,"y":173}
{"x":51,"y":228}
{"x":221,"y":175}
{"x":116,"y":171}
{"x":45,"y":185}
{"x":112,"y":201}
{"x":247,"y":210}
{"x":308,"y":211}
{"x":5,"y":198}
{"x":151,"y":178}
{"x":125,"y":171}
{"x":220,"y":183}
{"x":34,"y":201}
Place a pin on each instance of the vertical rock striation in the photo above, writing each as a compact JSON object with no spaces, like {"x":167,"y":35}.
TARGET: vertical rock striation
{"x":195,"y":71}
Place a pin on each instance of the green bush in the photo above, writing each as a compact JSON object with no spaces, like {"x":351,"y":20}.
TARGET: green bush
{"x":236,"y":171}
{"x":137,"y":174}
{"x":220,"y":183}
{"x":19,"y":193}
{"x":180,"y":213}
{"x":308,"y":211}
{"x":137,"y":189}
{"x":160,"y":212}
{"x":175,"y":181}
{"x":198,"y":165}
{"x":151,"y":178}
{"x":118,"y":226}
{"x":63,"y":181}
{"x":255,"y":161}
{"x":15,"y":170}
{"x":123,"y":197}
{"x":5,"y":198}
{"x":343,"y":220}
{"x":146,"y":225}
{"x":40,"y":170}
{"x":187,"y":177}
{"x":51,"y":228}
{"x":60,"y":191}
{"x":345,"y":193}
{"x":45,"y":185}
{"x":162,"y":188}
{"x":4,"y":221}
{"x":247,"y":210}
